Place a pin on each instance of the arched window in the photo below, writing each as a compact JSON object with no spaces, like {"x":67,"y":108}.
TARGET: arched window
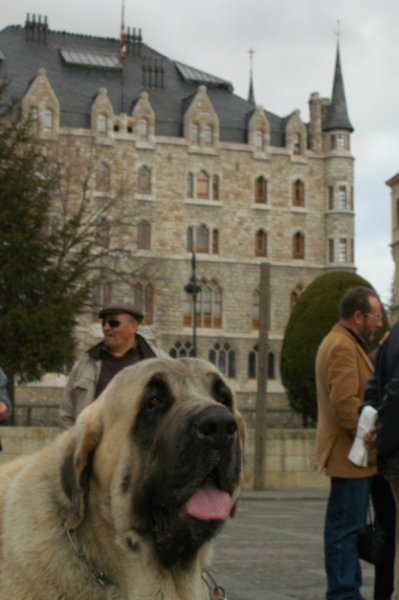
{"x":215,"y":241}
{"x":102,"y":232}
{"x":102,"y":177}
{"x":261,"y":190}
{"x":253,"y":364}
{"x":298,"y":193}
{"x":202,"y":186}
{"x":255,"y":309}
{"x":144,"y":235}
{"x":203,"y":239}
{"x":143,"y":299}
{"x":180,"y":350}
{"x":190,"y":185}
{"x":208,"y":308}
{"x":224,"y":358}
{"x":295,"y":295}
{"x":208,"y":135}
{"x":296,"y":144}
{"x":298,"y":246}
{"x":101,"y":296}
{"x":194,"y":135}
{"x":48,"y":120}
{"x":260,"y":243}
{"x":144,"y":181}
{"x":143,"y":128}
{"x":189,"y":239}
{"x":215,"y":187}
{"x":102,"y":125}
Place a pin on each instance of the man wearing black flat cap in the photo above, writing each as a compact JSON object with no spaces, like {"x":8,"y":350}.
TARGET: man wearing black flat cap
{"x":122,"y":347}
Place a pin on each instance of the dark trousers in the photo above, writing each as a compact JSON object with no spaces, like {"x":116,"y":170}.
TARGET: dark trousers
{"x":385,"y":511}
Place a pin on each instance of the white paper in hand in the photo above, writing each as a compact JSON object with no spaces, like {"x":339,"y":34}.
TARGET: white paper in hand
{"x":358,"y":454}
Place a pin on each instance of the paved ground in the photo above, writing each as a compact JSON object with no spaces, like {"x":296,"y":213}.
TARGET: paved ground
{"x":273,"y":549}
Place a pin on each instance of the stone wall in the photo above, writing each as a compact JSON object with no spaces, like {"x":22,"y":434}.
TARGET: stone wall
{"x":289,"y":455}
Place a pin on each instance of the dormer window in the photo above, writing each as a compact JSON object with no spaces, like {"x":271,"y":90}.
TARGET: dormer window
{"x":48,"y":120}
{"x":208,"y":135}
{"x":33,"y":118}
{"x":296,"y":144}
{"x":102,"y":125}
{"x":259,"y":140}
{"x":194,"y":135}
{"x":143,"y":128}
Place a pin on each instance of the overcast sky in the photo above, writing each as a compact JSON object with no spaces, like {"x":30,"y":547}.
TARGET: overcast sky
{"x":295,"y":46}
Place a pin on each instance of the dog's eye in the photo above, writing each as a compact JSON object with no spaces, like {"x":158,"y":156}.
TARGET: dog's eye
{"x":153,"y":402}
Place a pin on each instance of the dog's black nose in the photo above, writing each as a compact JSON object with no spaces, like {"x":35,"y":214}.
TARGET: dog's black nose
{"x":216,"y":427}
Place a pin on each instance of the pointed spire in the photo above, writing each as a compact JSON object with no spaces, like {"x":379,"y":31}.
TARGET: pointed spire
{"x":251,"y":95}
{"x":338,"y":117}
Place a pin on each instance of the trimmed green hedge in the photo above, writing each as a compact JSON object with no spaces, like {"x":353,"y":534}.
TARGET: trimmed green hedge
{"x":313,"y":316}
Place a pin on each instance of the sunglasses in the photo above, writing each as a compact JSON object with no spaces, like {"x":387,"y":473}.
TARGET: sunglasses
{"x":111,"y":322}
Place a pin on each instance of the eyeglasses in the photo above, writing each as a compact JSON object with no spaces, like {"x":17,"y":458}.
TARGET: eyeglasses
{"x":111,"y":322}
{"x":376,"y":318}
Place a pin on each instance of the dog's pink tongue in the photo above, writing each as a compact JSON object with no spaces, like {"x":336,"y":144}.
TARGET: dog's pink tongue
{"x":209,"y":503}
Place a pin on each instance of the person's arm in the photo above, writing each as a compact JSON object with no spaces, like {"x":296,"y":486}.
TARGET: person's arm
{"x":344,"y":386}
{"x":67,"y":405}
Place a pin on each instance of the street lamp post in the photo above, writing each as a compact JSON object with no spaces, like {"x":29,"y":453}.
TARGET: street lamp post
{"x":193,"y":289}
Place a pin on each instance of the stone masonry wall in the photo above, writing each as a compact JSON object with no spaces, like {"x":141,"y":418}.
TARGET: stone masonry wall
{"x":289,"y":455}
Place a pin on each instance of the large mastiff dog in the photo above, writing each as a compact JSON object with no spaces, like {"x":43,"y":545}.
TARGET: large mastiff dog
{"x":124,"y":505}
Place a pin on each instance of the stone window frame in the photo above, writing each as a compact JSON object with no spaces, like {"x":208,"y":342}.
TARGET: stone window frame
{"x":298,"y":246}
{"x":209,"y":306}
{"x":296,"y":144}
{"x":223,"y":357}
{"x":103,"y":234}
{"x":261,"y":186}
{"x":342,"y":197}
{"x":294,"y":295}
{"x":144,"y":180}
{"x":253,"y":361}
{"x":103,"y":176}
{"x":261,"y":243}
{"x":144,"y":300}
{"x":211,"y":241}
{"x":144,"y":235}
{"x":298,"y":193}
{"x":343,"y":250}
{"x":182,"y":350}
{"x":101,"y":297}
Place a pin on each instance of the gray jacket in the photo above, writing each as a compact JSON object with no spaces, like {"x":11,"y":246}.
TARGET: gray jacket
{"x":81,"y":386}
{"x":4,"y":394}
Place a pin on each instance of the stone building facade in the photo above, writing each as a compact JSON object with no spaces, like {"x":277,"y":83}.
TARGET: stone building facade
{"x":201,"y":170}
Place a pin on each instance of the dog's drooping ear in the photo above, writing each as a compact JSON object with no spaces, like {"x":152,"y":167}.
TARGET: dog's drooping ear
{"x":76,"y":466}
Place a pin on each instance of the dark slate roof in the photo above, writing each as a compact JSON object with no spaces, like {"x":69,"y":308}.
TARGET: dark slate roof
{"x":338,"y":117}
{"x":76,"y":85}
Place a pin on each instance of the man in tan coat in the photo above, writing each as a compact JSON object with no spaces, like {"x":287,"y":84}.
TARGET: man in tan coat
{"x":342,"y":370}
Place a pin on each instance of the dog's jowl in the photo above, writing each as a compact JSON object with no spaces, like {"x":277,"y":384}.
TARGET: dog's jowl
{"x":125,"y":505}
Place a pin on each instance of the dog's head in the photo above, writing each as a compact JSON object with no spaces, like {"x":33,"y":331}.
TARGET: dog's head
{"x":161,"y":451}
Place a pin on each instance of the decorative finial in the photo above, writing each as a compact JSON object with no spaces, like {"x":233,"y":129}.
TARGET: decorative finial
{"x":251,"y":53}
{"x":338,"y":32}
